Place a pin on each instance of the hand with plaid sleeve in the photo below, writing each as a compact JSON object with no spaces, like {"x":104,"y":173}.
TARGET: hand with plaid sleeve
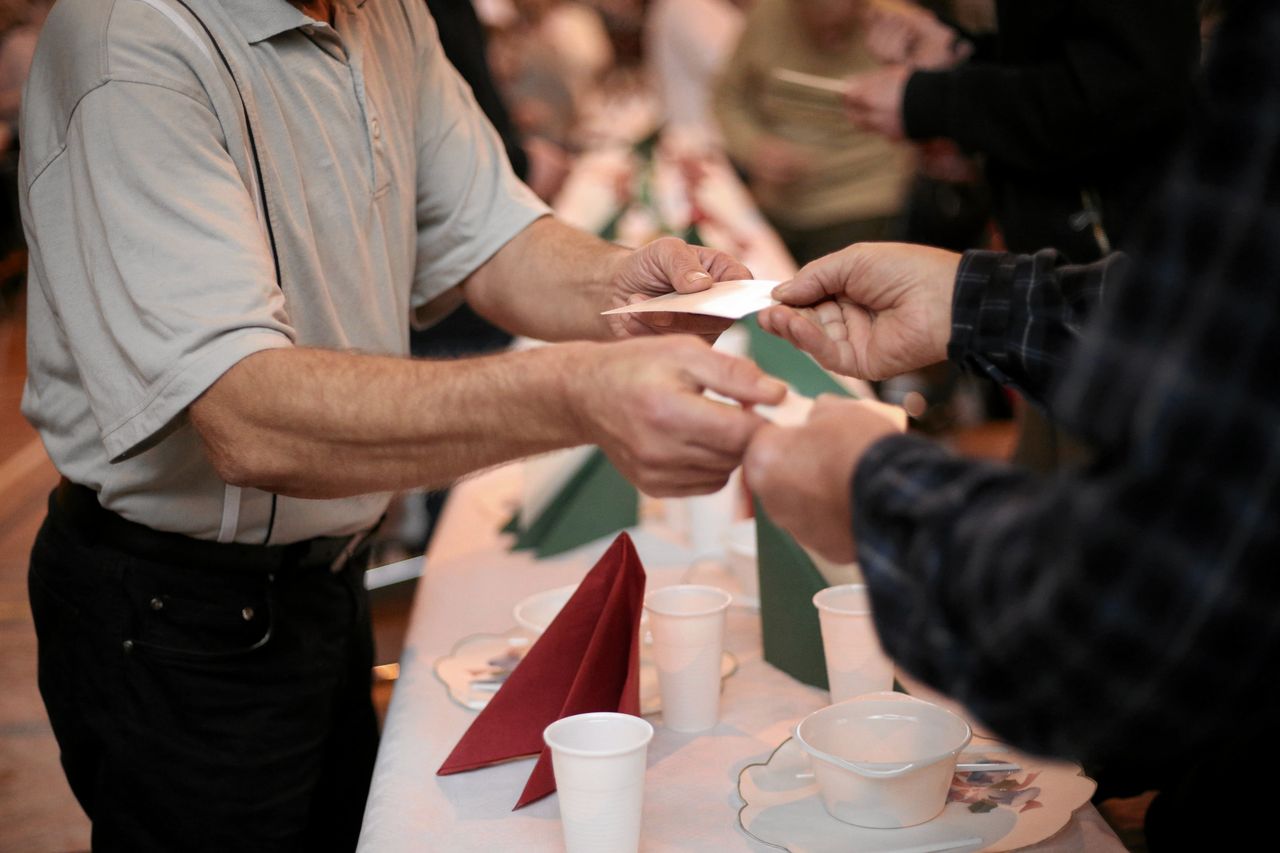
{"x":1130,"y":607}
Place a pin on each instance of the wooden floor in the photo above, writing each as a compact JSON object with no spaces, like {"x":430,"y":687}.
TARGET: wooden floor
{"x":38,"y":814}
{"x":37,"y":811}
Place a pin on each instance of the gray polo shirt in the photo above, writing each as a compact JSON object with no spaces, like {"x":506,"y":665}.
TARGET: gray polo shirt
{"x":151,"y":271}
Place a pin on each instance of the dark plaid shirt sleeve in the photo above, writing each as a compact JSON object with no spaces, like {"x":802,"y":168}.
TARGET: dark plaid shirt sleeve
{"x":1016,"y":317}
{"x":1135,"y":603}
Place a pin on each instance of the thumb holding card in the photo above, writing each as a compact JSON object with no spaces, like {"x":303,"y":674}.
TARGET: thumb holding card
{"x":668,"y":266}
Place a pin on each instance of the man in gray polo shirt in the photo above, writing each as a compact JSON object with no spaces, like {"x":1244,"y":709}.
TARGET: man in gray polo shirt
{"x":233,"y":209}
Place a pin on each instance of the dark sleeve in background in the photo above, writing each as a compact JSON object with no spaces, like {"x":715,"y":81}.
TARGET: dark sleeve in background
{"x":464,"y":43}
{"x":984,"y":43}
{"x":1074,"y":81}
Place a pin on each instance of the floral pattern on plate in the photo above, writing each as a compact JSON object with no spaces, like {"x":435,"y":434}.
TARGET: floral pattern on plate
{"x":479,"y":665}
{"x":982,"y":792}
{"x":1001,"y":810}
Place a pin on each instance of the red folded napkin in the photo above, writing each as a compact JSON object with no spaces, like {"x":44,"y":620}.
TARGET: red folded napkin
{"x":587,"y":660}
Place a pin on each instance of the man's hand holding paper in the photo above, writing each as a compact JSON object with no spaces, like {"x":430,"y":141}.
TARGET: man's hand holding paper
{"x":668,"y":267}
{"x":872,"y":311}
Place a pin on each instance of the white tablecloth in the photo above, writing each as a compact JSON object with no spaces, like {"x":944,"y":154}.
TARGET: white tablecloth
{"x":691,"y":804}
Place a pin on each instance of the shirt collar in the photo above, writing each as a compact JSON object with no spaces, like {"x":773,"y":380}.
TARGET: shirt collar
{"x":260,"y":20}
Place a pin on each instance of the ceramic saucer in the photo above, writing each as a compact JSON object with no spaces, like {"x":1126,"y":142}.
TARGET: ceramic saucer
{"x":478,"y":665}
{"x":999,"y":811}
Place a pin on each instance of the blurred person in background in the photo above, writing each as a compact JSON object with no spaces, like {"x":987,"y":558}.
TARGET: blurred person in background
{"x":538,"y":162}
{"x":822,"y":182}
{"x":687,"y":44}
{"x":20,"y":22}
{"x":547,"y":58}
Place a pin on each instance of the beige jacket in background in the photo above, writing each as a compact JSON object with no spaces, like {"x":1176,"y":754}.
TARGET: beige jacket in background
{"x":853,"y":174}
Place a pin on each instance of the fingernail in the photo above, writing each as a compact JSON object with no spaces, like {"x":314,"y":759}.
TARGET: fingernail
{"x":695,"y":277}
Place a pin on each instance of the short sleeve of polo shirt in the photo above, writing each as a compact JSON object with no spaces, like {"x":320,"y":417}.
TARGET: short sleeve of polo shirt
{"x":470,"y":202}
{"x":164,"y":278}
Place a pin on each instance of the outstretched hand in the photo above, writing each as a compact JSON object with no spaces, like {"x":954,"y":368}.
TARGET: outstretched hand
{"x":871,"y":311}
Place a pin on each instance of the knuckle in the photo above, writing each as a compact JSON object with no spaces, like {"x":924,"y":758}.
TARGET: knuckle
{"x":739,"y":370}
{"x":737,"y":435}
{"x":663,"y":419}
{"x":657,"y":409}
{"x":646,"y":482}
{"x":651,"y":455}
{"x":716,"y":483}
{"x":666,"y":247}
{"x":758,"y":463}
{"x":694,"y":343}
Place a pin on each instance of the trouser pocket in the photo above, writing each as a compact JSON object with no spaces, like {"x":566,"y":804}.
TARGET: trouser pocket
{"x":208,"y":616}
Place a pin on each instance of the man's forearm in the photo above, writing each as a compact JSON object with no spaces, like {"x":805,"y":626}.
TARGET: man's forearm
{"x":320,"y":424}
{"x":550,"y":282}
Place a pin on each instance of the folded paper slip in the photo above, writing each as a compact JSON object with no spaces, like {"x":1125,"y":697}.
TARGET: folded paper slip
{"x":732,"y":300}
{"x":587,"y":660}
{"x":829,"y":85}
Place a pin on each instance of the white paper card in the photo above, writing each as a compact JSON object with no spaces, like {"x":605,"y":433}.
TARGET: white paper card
{"x":810,"y":81}
{"x":793,"y":411}
{"x":731,"y":300}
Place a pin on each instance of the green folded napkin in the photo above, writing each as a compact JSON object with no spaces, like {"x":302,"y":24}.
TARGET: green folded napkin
{"x":779,"y":358}
{"x":595,"y":502}
{"x":788,"y":577}
{"x":788,"y":582}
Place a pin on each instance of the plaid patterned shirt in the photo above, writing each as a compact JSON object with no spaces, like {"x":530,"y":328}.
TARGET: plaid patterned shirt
{"x":1134,"y":604}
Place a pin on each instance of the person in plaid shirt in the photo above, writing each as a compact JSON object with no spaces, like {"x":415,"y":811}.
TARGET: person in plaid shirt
{"x":1130,"y":607}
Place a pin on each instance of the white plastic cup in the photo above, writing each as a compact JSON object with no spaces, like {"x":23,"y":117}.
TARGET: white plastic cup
{"x":740,"y":550}
{"x":687,"y":624}
{"x":710,"y":518}
{"x":855,"y":662}
{"x":599,"y":762}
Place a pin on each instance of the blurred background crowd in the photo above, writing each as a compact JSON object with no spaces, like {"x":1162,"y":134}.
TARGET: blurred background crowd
{"x":956,"y":123}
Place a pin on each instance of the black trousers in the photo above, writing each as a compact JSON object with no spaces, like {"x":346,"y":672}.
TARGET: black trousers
{"x":205,"y":708}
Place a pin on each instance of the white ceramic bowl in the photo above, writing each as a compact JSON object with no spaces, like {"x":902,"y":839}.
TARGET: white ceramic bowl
{"x":883,"y":760}
{"x":538,"y":611}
